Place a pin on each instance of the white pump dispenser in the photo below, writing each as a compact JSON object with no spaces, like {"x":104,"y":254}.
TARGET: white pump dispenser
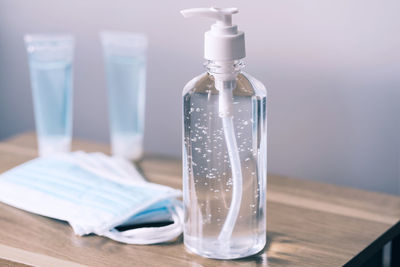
{"x":223,"y":42}
{"x":229,"y":155}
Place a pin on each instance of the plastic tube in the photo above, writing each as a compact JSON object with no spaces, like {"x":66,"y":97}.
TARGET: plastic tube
{"x":226,"y":113}
{"x":237,"y":181}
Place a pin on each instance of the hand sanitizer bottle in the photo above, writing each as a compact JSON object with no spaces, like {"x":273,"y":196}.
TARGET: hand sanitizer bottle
{"x":224,"y":148}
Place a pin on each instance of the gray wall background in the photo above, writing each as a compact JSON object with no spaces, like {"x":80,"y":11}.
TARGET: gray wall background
{"x":331,"y":67}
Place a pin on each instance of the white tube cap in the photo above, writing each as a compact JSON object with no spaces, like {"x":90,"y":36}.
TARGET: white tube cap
{"x":223,"y":42}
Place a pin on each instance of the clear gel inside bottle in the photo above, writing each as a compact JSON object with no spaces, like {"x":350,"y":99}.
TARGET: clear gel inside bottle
{"x":207,"y":172}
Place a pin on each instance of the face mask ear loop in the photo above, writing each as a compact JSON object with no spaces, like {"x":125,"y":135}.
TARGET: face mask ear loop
{"x":151,"y":235}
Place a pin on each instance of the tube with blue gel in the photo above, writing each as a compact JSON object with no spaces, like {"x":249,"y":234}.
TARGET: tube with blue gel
{"x":50,"y":62}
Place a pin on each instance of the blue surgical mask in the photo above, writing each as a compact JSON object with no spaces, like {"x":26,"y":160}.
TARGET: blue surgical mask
{"x":94,"y":193}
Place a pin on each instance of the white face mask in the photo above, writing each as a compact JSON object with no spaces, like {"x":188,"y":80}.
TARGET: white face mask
{"x":95,"y":193}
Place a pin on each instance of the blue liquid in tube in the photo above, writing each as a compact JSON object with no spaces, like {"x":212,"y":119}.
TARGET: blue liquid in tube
{"x":52,"y":97}
{"x":126,"y":81}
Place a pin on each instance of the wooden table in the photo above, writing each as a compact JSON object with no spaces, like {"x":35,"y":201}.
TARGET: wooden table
{"x":309,"y":224}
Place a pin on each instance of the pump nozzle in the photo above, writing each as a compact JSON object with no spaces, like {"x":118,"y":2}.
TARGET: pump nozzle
{"x":223,"y":16}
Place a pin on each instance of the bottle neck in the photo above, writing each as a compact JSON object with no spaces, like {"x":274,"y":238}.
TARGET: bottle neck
{"x":218,"y":68}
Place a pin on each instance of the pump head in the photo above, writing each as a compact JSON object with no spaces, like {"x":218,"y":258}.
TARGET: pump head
{"x":223,"y":42}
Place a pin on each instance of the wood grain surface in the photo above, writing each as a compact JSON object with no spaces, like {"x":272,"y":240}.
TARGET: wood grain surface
{"x":309,"y":224}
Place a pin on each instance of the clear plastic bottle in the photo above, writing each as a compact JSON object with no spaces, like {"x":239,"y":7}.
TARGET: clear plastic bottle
{"x":207,"y":170}
{"x":224,"y":150}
